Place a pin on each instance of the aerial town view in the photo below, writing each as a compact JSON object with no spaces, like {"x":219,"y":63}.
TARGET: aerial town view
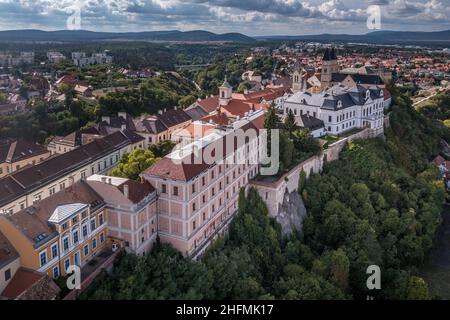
{"x":184,"y":150}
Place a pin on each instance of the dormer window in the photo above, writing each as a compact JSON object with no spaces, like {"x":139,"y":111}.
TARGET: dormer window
{"x":381,"y":93}
{"x":367,"y":94}
{"x":339,"y":104}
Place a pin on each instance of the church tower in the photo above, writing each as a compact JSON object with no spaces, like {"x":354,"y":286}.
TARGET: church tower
{"x":296,"y":79}
{"x":330,"y":65}
{"x":225,"y":93}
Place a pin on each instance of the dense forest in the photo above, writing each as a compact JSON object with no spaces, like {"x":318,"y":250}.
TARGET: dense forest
{"x":379,"y":205}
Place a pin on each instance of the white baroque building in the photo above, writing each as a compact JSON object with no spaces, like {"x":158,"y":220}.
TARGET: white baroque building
{"x":341,"y":108}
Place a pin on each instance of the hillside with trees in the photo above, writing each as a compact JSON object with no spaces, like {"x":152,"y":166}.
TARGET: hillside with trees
{"x":371,"y":207}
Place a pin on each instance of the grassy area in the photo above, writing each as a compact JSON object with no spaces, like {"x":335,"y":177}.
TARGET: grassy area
{"x":436,"y":271}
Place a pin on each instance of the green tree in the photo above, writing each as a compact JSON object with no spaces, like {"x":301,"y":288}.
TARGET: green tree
{"x":133,"y":164}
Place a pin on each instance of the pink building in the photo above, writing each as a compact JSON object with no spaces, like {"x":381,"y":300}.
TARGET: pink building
{"x":131,"y":211}
{"x":198,"y":198}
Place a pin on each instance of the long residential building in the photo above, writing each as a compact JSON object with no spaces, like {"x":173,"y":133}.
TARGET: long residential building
{"x":197,"y":199}
{"x":21,"y":189}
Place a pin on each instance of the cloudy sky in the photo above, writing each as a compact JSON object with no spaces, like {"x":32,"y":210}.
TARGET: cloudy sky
{"x":252,"y":17}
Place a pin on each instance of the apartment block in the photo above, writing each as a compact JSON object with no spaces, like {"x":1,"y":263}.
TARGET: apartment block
{"x":23,"y":188}
{"x":66,"y":229}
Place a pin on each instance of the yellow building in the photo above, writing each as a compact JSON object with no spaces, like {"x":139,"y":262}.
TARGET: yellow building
{"x":68,"y":228}
{"x":19,"y":154}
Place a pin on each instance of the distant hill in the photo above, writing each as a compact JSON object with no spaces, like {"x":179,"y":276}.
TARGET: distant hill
{"x":390,"y":37}
{"x":83,"y":35}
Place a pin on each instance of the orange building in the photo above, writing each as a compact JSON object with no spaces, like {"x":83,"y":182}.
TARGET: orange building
{"x":68,"y":228}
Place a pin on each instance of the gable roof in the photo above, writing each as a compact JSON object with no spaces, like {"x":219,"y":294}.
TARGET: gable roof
{"x":31,"y":285}
{"x":34,"y":222}
{"x":31,"y":178}
{"x":7,"y":251}
{"x":65,"y":211}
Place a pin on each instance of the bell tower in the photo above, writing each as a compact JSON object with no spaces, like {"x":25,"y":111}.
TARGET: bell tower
{"x":330,"y":65}
{"x":225,"y":93}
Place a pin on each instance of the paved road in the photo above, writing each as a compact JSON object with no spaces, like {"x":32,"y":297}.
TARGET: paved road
{"x":427,"y":98}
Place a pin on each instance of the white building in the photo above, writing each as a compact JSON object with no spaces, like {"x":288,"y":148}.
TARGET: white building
{"x":341,"y":108}
{"x":80,"y":59}
{"x":55,"y":57}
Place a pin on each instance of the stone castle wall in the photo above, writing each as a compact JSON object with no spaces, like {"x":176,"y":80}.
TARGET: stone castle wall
{"x":273,"y":192}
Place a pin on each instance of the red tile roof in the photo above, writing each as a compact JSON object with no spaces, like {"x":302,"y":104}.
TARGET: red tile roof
{"x":29,"y":284}
{"x":209,"y":104}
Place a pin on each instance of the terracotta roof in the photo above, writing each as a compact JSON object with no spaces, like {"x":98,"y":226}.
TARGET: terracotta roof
{"x":210,"y":105}
{"x":31,"y":285}
{"x":33,"y":222}
{"x":439,"y":160}
{"x":219,"y":119}
{"x":193,"y":164}
{"x":7,"y":251}
{"x":114,"y":192}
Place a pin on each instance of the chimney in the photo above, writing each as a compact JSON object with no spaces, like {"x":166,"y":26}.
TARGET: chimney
{"x":109,"y":181}
{"x":165,"y":110}
{"x":126,"y":190}
{"x":124,"y":127}
{"x":175,"y":108}
{"x":160,"y":111}
{"x":246,"y":91}
{"x":104,"y":180}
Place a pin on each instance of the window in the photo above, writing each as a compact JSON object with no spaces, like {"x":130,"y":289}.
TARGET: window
{"x":212,"y":174}
{"x":102,"y":237}
{"x":204,"y":216}
{"x":75,"y":237}
{"x":67,"y":264}
{"x":163,"y":188}
{"x":54,"y":251}
{"x":66,"y":243}
{"x":56,"y":272}
{"x":52,"y":191}
{"x":204,"y":199}
{"x":193,"y":188}
{"x":175,"y":191}
{"x":193,"y":225}
{"x":93,"y":225}
{"x":100,"y":219}
{"x":43,"y":258}
{"x":329,"y":118}
{"x":94,"y":243}
{"x":75,"y":220}
{"x":7,"y":274}
{"x":84,"y":230}
{"x":203,"y":181}
{"x":86,"y":250}
{"x":193,"y":207}
{"x":62,"y":186}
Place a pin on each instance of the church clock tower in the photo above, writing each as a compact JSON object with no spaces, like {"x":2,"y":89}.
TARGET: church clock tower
{"x":330,"y":65}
